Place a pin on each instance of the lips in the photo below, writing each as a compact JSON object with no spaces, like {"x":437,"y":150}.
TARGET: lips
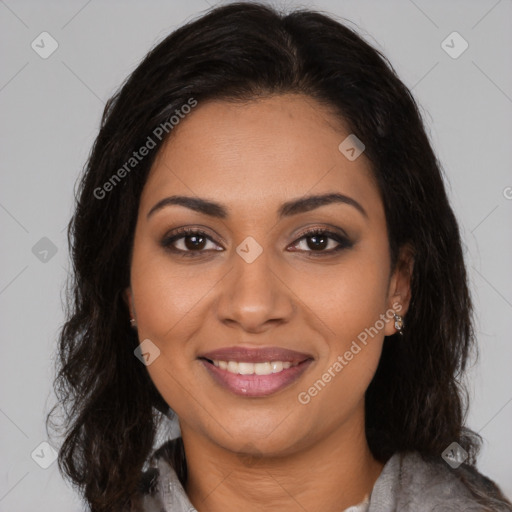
{"x":288,"y":367}
{"x":256,"y":355}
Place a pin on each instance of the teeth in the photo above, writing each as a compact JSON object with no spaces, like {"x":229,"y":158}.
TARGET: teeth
{"x":243,"y":368}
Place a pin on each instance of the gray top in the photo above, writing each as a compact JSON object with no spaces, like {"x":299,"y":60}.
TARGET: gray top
{"x":407,"y":483}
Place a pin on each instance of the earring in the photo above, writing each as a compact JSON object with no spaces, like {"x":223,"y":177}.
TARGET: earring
{"x":399,"y":324}
{"x":132,"y":322}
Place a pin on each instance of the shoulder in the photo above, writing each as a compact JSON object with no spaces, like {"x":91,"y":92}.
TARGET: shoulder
{"x":160,"y":488}
{"x":148,"y":497}
{"x":412,"y":482}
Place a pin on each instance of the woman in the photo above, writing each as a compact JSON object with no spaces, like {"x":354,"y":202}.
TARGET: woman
{"x":264,"y":251}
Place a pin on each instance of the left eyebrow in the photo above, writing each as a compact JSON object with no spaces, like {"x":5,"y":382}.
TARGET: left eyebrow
{"x":305,"y":204}
{"x":293,"y":207}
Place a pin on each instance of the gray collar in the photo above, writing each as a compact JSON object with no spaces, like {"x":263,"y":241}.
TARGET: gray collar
{"x":407,"y":483}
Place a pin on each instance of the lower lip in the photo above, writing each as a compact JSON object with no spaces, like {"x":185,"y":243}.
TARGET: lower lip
{"x":256,"y":385}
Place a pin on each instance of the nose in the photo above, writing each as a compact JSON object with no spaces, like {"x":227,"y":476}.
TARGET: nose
{"x":254,"y":296}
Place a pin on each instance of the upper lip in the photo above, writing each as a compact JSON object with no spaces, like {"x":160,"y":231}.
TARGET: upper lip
{"x":255,"y":355}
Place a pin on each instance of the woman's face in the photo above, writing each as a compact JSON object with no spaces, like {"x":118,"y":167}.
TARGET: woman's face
{"x":254,"y":280}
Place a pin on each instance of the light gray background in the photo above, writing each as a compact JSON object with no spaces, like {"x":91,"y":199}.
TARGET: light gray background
{"x":50,"y":116}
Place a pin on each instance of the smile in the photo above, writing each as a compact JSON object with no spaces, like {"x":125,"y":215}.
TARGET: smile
{"x":254,"y":379}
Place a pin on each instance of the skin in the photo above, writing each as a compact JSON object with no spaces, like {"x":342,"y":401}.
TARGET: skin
{"x":266,"y":453}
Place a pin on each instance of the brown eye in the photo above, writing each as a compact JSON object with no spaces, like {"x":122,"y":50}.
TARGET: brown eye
{"x":317,"y":242}
{"x":189,"y":241}
{"x":322,"y":241}
{"x":193,"y":242}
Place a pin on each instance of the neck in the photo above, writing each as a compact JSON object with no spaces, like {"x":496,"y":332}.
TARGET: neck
{"x":332,"y":474}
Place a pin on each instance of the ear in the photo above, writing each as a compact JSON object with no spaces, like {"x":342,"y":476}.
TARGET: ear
{"x":399,"y":291}
{"x":128,"y":298}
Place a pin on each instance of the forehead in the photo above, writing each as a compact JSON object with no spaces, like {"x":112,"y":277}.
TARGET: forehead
{"x":258,"y":154}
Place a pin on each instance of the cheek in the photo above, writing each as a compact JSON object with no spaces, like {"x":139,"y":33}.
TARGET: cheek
{"x":348,"y":297}
{"x":169,"y":304}
{"x":350,"y":301}
{"x":168,"y":296}
{"x":353,"y":345}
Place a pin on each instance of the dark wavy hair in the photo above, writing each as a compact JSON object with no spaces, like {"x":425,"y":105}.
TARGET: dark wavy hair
{"x":108,"y":406}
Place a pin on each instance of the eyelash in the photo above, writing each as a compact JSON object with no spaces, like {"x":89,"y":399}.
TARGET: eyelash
{"x":344,"y":243}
